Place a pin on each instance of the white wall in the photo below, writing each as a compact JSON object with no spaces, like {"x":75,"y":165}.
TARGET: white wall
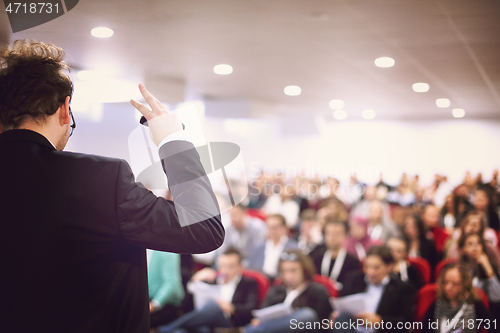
{"x":368,"y":147}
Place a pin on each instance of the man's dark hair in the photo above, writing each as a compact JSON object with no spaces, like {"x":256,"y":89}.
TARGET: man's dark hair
{"x":32,"y":84}
{"x":233,"y":251}
{"x":381,"y":251}
{"x":333,"y":221}
{"x":279,"y":217}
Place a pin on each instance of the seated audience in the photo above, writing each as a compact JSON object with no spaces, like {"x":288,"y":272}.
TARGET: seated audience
{"x":166,"y":291}
{"x":473,"y":223}
{"x":308,"y":299}
{"x":483,"y":203}
{"x":456,"y":303}
{"x":310,"y":232}
{"x":264,"y":257}
{"x":284,"y":204}
{"x":418,"y":243}
{"x":381,"y":227}
{"x":485,"y":274}
{"x":440,"y":235}
{"x":243,"y":232}
{"x":239,"y":296}
{"x":331,"y":258}
{"x":359,"y":241}
{"x":386,"y":298}
{"x":402,"y":267}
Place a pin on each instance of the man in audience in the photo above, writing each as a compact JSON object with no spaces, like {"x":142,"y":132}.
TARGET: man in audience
{"x":310,"y":232}
{"x":331,"y":258}
{"x":265,"y":257}
{"x":380,"y":226}
{"x":165,"y":286}
{"x":430,"y":216}
{"x":386,"y":298}
{"x":238,"y":297}
{"x":243,"y":232}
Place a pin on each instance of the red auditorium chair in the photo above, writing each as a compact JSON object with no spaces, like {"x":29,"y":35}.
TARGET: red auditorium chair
{"x":440,"y":266}
{"x":262,"y":282}
{"x":256,"y":213}
{"x":423,"y":267}
{"x":427,"y":295}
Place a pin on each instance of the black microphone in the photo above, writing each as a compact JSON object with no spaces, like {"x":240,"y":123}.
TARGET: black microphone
{"x":144,"y":122}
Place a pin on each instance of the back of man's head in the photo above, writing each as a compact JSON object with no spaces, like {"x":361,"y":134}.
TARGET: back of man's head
{"x":32,"y":82}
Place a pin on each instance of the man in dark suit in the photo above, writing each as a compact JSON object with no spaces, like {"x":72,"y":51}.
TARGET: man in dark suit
{"x":331,"y":258}
{"x":239,"y":295}
{"x":387,"y":299}
{"x":75,"y":227}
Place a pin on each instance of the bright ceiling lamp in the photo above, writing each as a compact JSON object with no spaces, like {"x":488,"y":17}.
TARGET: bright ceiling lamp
{"x":292,"y":90}
{"x":223,"y":69}
{"x":384,"y":62}
{"x":339,"y":114}
{"x":102,"y":32}
{"x":420,"y":87}
{"x":336,"y":104}
{"x":443,"y":103}
{"x":368,"y":114}
{"x":458,"y":113}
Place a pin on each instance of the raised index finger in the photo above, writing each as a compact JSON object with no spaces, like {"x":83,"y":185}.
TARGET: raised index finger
{"x":152,"y":101}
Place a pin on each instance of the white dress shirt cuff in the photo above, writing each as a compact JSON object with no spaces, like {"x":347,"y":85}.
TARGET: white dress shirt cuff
{"x":179,"y":135}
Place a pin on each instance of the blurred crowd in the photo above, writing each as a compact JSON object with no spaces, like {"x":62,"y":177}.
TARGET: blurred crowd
{"x":305,"y":241}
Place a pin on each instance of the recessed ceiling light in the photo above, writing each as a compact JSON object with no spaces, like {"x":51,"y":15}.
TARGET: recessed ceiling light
{"x":339,"y":114}
{"x":384,"y":62}
{"x":368,"y":114}
{"x":336,"y":104}
{"x":102,"y":32}
{"x":223,"y":69}
{"x":420,"y":87}
{"x":458,"y":113}
{"x":293,"y":90}
{"x":443,"y":103}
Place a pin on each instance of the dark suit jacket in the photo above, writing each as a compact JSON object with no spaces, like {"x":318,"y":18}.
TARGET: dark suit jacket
{"x":74,"y":232}
{"x":315,"y":296}
{"x":245,"y":299}
{"x":351,"y":263}
{"x":397,"y":303}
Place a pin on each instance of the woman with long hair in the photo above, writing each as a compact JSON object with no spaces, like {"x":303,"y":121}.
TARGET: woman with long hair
{"x":484,"y":272}
{"x":457,"y":307}
{"x":418,"y":244}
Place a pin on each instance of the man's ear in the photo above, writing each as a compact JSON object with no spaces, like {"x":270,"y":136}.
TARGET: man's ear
{"x":64,"y":117}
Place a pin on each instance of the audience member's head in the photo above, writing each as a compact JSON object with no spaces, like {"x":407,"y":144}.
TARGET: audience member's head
{"x":295,"y":268}
{"x":309,"y":222}
{"x":399,"y":248}
{"x":481,"y":200}
{"x":237,"y":214}
{"x":375,"y":212}
{"x":413,"y":228}
{"x":430,"y":216}
{"x":472,"y":223}
{"x":229,"y":264}
{"x":358,"y":227}
{"x":276,"y":227}
{"x":378,"y":263}
{"x":454,"y":284}
{"x":335,"y":234}
{"x":471,"y":246}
